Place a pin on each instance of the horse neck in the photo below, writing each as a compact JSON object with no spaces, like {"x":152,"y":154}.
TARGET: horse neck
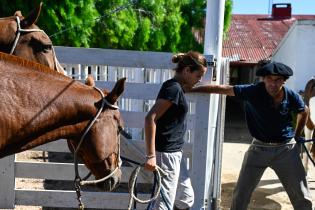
{"x":68,"y":110}
{"x":39,"y":105}
{"x":52,"y":104}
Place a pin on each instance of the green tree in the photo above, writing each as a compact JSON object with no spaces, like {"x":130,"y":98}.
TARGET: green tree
{"x":116,"y":25}
{"x":194,"y":12}
{"x":156,"y":25}
{"x":144,"y":25}
{"x":69,"y":22}
{"x":227,"y":16}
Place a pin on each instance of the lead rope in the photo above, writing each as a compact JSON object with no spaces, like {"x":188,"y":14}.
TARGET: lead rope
{"x":132,"y":183}
{"x":303,"y":141}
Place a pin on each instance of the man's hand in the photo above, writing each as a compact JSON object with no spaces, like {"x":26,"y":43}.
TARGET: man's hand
{"x":299,"y":139}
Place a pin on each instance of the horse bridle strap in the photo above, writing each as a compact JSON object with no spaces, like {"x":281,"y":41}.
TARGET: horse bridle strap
{"x":113,"y":106}
{"x":18,"y":33}
{"x":17,"y":37}
{"x":91,"y":123}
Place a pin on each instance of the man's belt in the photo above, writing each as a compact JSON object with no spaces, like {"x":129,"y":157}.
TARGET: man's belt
{"x":264,"y":143}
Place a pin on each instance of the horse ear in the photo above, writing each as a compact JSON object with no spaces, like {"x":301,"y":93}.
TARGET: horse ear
{"x":116,"y":91}
{"x":90,"y":81}
{"x":32,"y":17}
{"x":18,"y":13}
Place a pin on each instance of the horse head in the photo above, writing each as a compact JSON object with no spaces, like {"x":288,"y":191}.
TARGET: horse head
{"x":21,"y":37}
{"x":100,"y":150}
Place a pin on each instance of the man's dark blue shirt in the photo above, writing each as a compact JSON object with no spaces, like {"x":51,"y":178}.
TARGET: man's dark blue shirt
{"x":265,"y":121}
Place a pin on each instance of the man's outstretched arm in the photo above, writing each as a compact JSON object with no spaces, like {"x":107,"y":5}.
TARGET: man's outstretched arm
{"x":217,"y":89}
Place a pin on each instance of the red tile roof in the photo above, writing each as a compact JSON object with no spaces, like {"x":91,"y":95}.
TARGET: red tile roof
{"x":252,"y":38}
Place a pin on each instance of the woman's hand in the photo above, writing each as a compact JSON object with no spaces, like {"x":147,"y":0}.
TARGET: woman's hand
{"x":150,"y":164}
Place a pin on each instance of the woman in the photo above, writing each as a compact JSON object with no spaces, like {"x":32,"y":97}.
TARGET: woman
{"x":165,"y":123}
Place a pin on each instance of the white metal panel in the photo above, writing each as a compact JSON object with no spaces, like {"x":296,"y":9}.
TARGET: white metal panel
{"x":61,"y":171}
{"x":67,"y":199}
{"x":138,"y":59}
{"x":7,"y":182}
{"x":134,"y":90}
{"x":61,"y":146}
{"x":136,"y":119}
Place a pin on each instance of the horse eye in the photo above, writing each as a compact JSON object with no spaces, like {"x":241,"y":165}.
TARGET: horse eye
{"x":46,"y":47}
{"x":39,"y":46}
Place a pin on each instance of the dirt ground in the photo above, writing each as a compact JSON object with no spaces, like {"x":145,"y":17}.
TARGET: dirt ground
{"x":269,"y":195}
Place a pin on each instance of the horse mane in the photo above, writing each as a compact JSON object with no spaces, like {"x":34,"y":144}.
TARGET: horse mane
{"x":9,"y":17}
{"x":40,"y":67}
{"x":27,"y":63}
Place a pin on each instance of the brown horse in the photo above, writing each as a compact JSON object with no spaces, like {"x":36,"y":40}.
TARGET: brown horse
{"x":21,"y":37}
{"x":309,"y":98}
{"x":39,"y":105}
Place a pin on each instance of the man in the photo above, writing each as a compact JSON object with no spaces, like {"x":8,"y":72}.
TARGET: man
{"x":268,"y":108}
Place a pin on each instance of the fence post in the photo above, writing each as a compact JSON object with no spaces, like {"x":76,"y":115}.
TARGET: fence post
{"x":202,"y":158}
{"x":7,"y":182}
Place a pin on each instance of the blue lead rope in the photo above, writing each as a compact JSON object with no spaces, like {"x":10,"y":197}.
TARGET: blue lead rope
{"x":302,"y":140}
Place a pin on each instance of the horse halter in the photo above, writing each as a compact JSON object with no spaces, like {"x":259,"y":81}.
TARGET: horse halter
{"x":18,"y":33}
{"x":91,"y":123}
{"x":19,"y":30}
{"x":78,"y":181}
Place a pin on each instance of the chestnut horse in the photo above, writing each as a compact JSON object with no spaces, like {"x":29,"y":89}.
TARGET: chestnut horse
{"x":21,"y":37}
{"x":39,"y":105}
{"x":309,"y":98}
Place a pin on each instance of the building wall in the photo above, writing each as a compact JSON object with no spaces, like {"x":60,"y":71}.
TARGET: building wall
{"x":297,"y":50}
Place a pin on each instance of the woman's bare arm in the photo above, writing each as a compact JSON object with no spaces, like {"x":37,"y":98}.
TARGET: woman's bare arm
{"x":159,"y":108}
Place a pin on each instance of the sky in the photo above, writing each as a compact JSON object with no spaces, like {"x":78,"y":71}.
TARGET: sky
{"x":262,"y":6}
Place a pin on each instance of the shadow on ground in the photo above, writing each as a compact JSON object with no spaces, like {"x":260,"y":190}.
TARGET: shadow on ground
{"x":259,"y":200}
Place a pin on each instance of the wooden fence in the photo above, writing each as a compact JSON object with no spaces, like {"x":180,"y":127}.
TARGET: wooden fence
{"x":145,"y":71}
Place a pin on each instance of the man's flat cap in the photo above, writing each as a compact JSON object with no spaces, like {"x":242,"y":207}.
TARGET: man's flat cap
{"x":275,"y":68}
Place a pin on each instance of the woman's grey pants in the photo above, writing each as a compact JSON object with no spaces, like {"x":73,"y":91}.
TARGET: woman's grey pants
{"x":285,"y":161}
{"x":185,"y":193}
{"x":178,"y":175}
{"x":170,"y":163}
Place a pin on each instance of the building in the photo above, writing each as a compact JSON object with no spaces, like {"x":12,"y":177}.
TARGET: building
{"x":297,"y":50}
